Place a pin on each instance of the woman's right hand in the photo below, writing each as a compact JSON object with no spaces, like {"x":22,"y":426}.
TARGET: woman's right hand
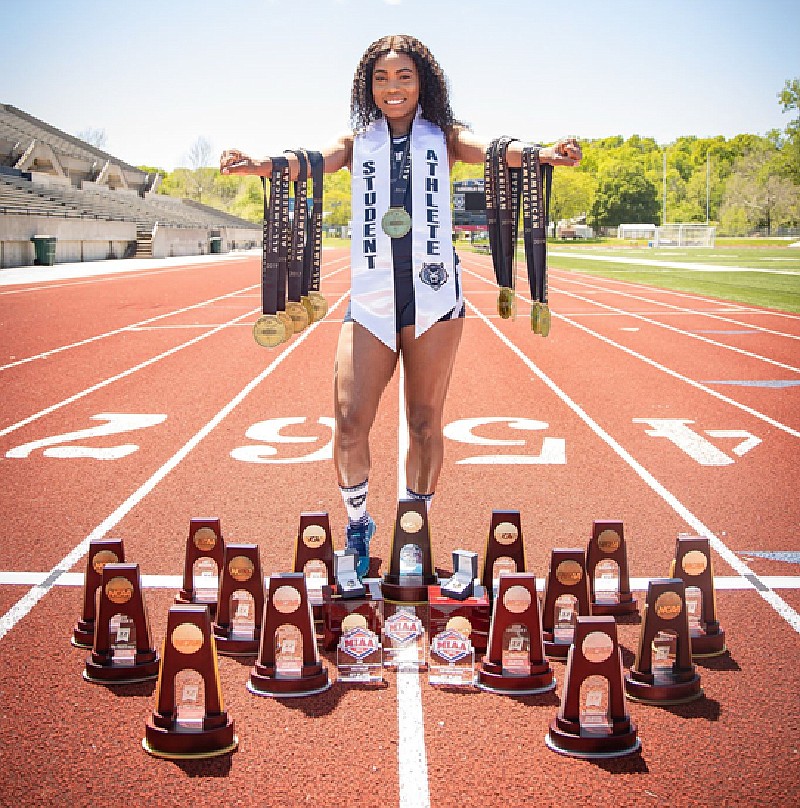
{"x":233,"y":161}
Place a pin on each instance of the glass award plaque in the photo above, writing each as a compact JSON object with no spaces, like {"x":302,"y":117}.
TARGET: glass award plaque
{"x":123,"y":640}
{"x":594,"y":715}
{"x":411,"y":560}
{"x":359,"y":655}
{"x":606,"y":582}
{"x":205,"y":576}
{"x":502,"y":564}
{"x":404,"y":639}
{"x":288,"y":651}
{"x":451,"y":660}
{"x":190,"y":701}
{"x":663,"y":651}
{"x":516,"y":653}
{"x":565,"y":617}
{"x":694,"y":610}
{"x":243,"y":615}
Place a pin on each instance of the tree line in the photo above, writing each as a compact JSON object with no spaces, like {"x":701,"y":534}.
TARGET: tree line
{"x":747,"y":183}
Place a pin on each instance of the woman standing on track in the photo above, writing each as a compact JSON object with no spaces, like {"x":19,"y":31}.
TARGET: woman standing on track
{"x":406,"y":285}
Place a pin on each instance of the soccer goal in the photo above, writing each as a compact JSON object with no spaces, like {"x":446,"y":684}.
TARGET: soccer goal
{"x":685,"y":235}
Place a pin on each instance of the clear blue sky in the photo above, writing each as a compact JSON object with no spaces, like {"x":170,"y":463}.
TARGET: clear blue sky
{"x":265,"y":75}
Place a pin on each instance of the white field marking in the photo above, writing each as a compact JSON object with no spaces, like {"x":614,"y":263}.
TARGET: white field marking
{"x":24,"y":605}
{"x":730,"y":304}
{"x":727,"y":583}
{"x":140,"y":325}
{"x":774,"y":600}
{"x":128,"y":372}
{"x":680,"y":309}
{"x":412,"y":760}
{"x":683,"y":332}
{"x":132,"y":327}
{"x":650,"y":262}
{"x":659,"y":366}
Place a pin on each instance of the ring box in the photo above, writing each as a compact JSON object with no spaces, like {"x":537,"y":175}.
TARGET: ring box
{"x":348,"y":584}
{"x":465,"y":570}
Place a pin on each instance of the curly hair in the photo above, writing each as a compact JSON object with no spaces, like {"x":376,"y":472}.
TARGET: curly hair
{"x":434,"y":95}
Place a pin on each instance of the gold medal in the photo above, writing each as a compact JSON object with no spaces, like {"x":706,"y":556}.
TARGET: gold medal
{"x":536,"y":310}
{"x":309,"y":307}
{"x":298,"y":314}
{"x":319,"y":303}
{"x":506,"y":303}
{"x":396,"y":222}
{"x":288,"y":325}
{"x":544,"y":320}
{"x":269,"y":331}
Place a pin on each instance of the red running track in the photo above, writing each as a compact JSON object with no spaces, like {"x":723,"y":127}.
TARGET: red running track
{"x":669,"y":411}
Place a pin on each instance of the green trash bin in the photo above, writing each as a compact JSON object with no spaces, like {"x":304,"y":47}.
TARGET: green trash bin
{"x":216,"y":245}
{"x":45,"y":249}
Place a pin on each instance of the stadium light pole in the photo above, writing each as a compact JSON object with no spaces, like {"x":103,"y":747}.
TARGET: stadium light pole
{"x":664,"y":175}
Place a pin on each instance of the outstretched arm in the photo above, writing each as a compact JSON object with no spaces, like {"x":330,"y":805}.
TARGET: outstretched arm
{"x":336,"y":156}
{"x":464,"y":146}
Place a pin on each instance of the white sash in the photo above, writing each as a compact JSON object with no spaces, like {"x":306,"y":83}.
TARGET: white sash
{"x":372,"y":292}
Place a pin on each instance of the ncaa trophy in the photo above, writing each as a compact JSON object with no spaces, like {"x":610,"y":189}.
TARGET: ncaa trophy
{"x":515,"y":663}
{"x":205,"y":551}
{"x":593,"y":721}
{"x":101,"y":552}
{"x":189,"y":720}
{"x":607,"y":570}
{"x":566,"y":596}
{"x":313,"y":556}
{"x":241,"y":601}
{"x":505,"y":549}
{"x":288,"y":662}
{"x":694,"y":566}
{"x":663,"y":672}
{"x":123,"y":652}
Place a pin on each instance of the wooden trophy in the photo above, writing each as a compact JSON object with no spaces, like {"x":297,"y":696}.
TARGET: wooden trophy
{"x":205,"y":553}
{"x":101,"y":552}
{"x":663,"y":672}
{"x":593,"y":721}
{"x":313,"y":556}
{"x":505,"y":549}
{"x":694,"y":566}
{"x":122,"y":651}
{"x":411,"y":561}
{"x":607,"y":562}
{"x":241,"y":601}
{"x":566,"y":596}
{"x":189,"y":720}
{"x":515,"y":662}
{"x":288,"y":663}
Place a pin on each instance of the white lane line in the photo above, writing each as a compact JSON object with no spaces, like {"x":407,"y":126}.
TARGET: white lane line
{"x":774,"y":600}
{"x":677,"y":309}
{"x":132,"y":327}
{"x":25,"y":421}
{"x":727,"y":583}
{"x":657,"y":365}
{"x":412,"y":760}
{"x":24,"y":605}
{"x":683,"y":332}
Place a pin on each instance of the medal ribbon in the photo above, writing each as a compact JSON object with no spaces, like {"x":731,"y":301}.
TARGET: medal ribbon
{"x":296,"y":258}
{"x":312,"y":257}
{"x":273,"y":237}
{"x":537,"y":180}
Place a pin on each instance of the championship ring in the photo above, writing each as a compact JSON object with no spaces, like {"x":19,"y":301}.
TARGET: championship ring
{"x":269,"y":331}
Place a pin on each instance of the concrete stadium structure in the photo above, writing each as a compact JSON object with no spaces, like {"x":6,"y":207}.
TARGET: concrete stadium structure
{"x":94,"y":205}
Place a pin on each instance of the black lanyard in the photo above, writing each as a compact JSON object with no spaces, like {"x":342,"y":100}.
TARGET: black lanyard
{"x":273,"y":253}
{"x":295,"y":263}
{"x":537,"y":180}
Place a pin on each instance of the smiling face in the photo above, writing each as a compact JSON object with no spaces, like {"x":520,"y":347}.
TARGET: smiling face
{"x":395,"y":88}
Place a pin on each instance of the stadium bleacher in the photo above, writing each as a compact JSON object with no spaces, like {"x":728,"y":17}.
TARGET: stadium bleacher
{"x":95,"y":205}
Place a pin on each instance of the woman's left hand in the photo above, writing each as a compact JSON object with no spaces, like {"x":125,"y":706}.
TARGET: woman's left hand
{"x":564,"y":152}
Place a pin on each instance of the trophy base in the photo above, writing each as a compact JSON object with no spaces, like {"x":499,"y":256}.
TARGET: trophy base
{"x":708,"y":645}
{"x":84,"y":641}
{"x":597,"y":748}
{"x":623,"y":607}
{"x":174,"y":745}
{"x":235,"y":648}
{"x":406,"y":593}
{"x":186,"y":597}
{"x":265,"y":685}
{"x":516,"y":685}
{"x":663,"y":694}
{"x":121,"y":675}
{"x":556,"y":650}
